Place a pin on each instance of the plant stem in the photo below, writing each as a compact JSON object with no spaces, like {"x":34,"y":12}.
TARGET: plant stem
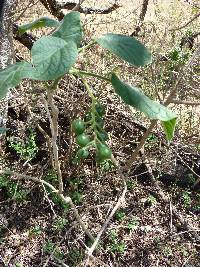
{"x":53,"y":119}
{"x":85,"y":73}
{"x":82,"y":49}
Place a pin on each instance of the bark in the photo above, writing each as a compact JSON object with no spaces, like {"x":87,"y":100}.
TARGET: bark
{"x":26,"y":39}
{"x":6,"y":44}
{"x":55,"y":7}
{"x":141,"y":18}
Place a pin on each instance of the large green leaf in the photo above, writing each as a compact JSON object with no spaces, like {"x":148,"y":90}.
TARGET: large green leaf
{"x":153,"y":110}
{"x":127,"y":48}
{"x":13,"y":75}
{"x":70,"y":28}
{"x":39,"y":23}
{"x":52,"y":57}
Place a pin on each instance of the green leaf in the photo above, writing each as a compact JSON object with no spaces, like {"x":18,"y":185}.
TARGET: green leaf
{"x":39,"y":23}
{"x":3,"y":130}
{"x":70,"y":28}
{"x":127,"y":48}
{"x":169,"y":127}
{"x":153,"y":110}
{"x":52,"y":57}
{"x":13,"y":75}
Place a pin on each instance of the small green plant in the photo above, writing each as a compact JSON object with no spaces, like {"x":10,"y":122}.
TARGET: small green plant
{"x":13,"y":189}
{"x":167,"y":251}
{"x":131,"y":184}
{"x":151,"y":200}
{"x":59,"y":224}
{"x":37,"y":230}
{"x":58,"y":254}
{"x":48,"y":247}
{"x":76,"y":196}
{"x":133,"y":224}
{"x":26,"y":149}
{"x":115,"y":245}
{"x":151,"y":140}
{"x":186,"y":197}
{"x":191,"y":179}
{"x":75,"y":255}
{"x":120,"y":215}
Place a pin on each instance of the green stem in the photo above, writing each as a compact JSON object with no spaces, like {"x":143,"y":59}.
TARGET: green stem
{"x":54,"y":85}
{"x":94,"y":100}
{"x":82,"y":49}
{"x":85,"y":73}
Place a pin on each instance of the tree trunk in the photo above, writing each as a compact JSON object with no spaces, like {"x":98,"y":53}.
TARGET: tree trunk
{"x":6,"y":45}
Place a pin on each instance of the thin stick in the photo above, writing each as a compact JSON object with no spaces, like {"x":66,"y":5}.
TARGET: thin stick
{"x":182,"y":102}
{"x":120,"y":200}
{"x":186,"y":24}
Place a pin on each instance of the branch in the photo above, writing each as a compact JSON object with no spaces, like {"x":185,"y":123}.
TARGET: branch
{"x":89,"y":10}
{"x":186,"y":24}
{"x":54,"y":8}
{"x":54,"y":132}
{"x":26,"y":39}
{"x":116,"y":207}
{"x":141,"y":18}
{"x":182,"y":102}
{"x":66,"y":200}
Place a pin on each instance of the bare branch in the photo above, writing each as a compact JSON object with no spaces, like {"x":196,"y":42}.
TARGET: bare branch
{"x":54,"y":8}
{"x":186,"y":24}
{"x":182,"y":102}
{"x":89,"y":10}
{"x":116,"y":207}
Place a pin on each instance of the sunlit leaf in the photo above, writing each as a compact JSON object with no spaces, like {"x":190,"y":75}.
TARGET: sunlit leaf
{"x":152,"y":109}
{"x":70,"y":28}
{"x":127,"y":48}
{"x":52,"y":57}
{"x":13,"y":75}
{"x":39,"y":23}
